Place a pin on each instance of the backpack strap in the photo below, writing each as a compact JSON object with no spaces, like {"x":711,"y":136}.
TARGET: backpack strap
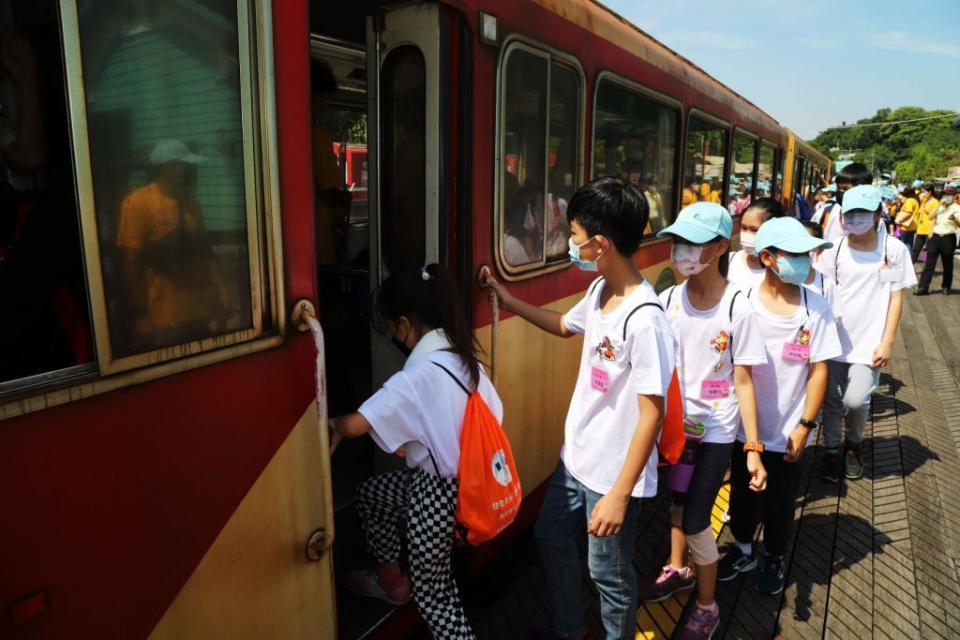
{"x":455,"y":379}
{"x":670,"y":295}
{"x":732,"y":301}
{"x":634,"y":310}
{"x":593,"y":287}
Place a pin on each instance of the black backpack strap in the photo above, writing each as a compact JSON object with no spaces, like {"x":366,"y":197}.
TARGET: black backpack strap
{"x":670,"y":295}
{"x":732,"y":301}
{"x":455,"y":379}
{"x":634,"y":310}
{"x":593,"y":287}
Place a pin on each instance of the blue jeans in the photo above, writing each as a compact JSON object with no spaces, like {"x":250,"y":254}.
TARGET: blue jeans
{"x":564,"y":514}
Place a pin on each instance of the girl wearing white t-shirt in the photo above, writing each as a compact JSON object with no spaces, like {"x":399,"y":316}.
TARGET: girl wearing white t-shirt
{"x":868,"y":271}
{"x":745,"y":268}
{"x":800,"y":336}
{"x":418,"y":414}
{"x":718,"y":342}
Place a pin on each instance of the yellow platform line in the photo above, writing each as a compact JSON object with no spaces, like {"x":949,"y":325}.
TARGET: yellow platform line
{"x":658,"y":620}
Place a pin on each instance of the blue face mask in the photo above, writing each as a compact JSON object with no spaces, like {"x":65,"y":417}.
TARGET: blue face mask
{"x":575,"y":256}
{"x":793,"y":269}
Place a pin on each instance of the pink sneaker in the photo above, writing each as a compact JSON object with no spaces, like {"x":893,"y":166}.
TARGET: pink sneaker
{"x":701,"y":623}
{"x":367,"y":584}
{"x":669,"y":582}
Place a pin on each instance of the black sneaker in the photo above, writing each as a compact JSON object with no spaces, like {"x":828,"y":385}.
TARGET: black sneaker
{"x":734,"y":562}
{"x":946,"y":292}
{"x":831,"y":466}
{"x":853,"y":464}
{"x":921,"y":292}
{"x":772,"y":576}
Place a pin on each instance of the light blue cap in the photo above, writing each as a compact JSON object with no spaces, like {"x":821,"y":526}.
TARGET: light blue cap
{"x":734,"y":180}
{"x":787,"y":234}
{"x":831,"y":188}
{"x":916,"y":184}
{"x":865,"y":196}
{"x":701,"y":222}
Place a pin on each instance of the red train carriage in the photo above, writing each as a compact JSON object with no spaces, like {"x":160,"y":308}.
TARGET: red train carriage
{"x":177,"y":194}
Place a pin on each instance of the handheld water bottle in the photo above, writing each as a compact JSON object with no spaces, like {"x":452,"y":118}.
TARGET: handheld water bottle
{"x":680,"y":474}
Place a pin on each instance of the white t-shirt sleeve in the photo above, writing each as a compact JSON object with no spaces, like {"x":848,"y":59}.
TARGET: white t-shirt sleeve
{"x":394,"y":414}
{"x":575,"y":320}
{"x":825,"y":340}
{"x":748,"y":345}
{"x":903,"y":263}
{"x":653,"y":355}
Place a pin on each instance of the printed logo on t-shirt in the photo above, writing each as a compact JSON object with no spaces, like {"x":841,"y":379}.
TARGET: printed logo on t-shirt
{"x":803,"y":336}
{"x":720,"y":344}
{"x":605,"y":350}
{"x":501,"y":471}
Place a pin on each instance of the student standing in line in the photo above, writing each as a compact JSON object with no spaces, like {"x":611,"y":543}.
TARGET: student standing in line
{"x":852,"y":175}
{"x":928,"y":210}
{"x":718,"y":343}
{"x":868,"y":273}
{"x":418,"y":414}
{"x":609,"y":456}
{"x":815,"y":281}
{"x":907,"y":217}
{"x":829,"y":200}
{"x":942,"y":242}
{"x":800,"y":335}
{"x":745,"y":268}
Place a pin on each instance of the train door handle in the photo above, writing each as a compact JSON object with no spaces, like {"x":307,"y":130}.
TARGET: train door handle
{"x":317,"y":545}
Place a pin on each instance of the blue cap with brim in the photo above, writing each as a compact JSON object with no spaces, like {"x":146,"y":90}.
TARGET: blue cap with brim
{"x":916,"y":184}
{"x":865,"y":196}
{"x":701,"y":222}
{"x":787,"y":234}
{"x":831,"y":188}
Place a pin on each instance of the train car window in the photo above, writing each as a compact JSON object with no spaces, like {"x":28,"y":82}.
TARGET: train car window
{"x":403,"y":160}
{"x":540,"y":147}
{"x":704,"y":162}
{"x":45,"y":333}
{"x":174,"y":209}
{"x":766,"y":180}
{"x":635,"y":138}
{"x":778,"y":175}
{"x":742,"y":188}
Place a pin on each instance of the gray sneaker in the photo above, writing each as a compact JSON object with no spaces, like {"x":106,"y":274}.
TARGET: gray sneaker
{"x":368,"y":585}
{"x":734,"y":562}
{"x":669,"y":582}
{"x":853,"y":463}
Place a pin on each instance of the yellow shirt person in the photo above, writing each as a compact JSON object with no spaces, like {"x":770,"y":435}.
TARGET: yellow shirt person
{"x":910,"y":206}
{"x":926,"y":216}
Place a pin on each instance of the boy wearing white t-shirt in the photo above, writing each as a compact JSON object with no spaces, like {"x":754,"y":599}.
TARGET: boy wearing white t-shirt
{"x":609,"y":457}
{"x":800,"y":335}
{"x":869,"y":272}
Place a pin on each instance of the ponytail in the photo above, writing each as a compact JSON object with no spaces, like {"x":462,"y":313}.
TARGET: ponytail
{"x":429,"y":297}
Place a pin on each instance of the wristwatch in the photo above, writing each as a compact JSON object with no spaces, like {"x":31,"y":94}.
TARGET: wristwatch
{"x":753,"y":446}
{"x":809,"y":424}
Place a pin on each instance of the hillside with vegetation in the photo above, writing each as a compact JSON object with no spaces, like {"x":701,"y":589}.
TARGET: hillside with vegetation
{"x":909,"y":140}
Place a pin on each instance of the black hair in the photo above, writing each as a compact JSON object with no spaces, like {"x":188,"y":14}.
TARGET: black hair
{"x":855,"y":174}
{"x":770,"y":206}
{"x":909,"y":192}
{"x":724,"y":263}
{"x":814,"y":227}
{"x":322,"y":79}
{"x":429,"y":297}
{"x":613,"y":208}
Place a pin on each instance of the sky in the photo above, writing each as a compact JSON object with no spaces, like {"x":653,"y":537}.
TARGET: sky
{"x":812,"y":64}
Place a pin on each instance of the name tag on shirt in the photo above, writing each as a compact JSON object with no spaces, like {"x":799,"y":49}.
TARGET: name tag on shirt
{"x":888,"y":275}
{"x":714,"y":389}
{"x":795,"y":352}
{"x":599,"y":379}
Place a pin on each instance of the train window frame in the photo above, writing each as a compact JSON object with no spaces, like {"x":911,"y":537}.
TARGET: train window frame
{"x":262,"y":204}
{"x":517,"y":42}
{"x":705,"y":116}
{"x":738,"y":131}
{"x":660,"y":98}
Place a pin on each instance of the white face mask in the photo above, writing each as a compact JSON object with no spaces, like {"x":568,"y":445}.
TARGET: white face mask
{"x":858,"y":224}
{"x":748,"y":242}
{"x":686,"y":259}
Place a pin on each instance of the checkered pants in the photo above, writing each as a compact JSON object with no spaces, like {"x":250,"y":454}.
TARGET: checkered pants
{"x":428,"y":503}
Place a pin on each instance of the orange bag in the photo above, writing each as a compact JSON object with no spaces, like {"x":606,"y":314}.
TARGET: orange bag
{"x":489,"y":495}
{"x":672,"y":435}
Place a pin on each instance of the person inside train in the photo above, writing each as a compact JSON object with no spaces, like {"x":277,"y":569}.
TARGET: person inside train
{"x":514,"y":234}
{"x":800,"y":335}
{"x":718,"y":344}
{"x":853,"y":175}
{"x":418,"y":414}
{"x":869,"y":272}
{"x":332,"y":200}
{"x":690,"y":192}
{"x":609,"y":460}
{"x":175,"y":289}
{"x":746,"y":270}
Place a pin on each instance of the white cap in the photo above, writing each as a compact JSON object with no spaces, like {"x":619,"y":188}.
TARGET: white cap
{"x":173,"y":151}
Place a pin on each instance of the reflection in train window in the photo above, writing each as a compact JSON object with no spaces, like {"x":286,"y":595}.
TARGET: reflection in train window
{"x":703,"y":164}
{"x":741,"y":188}
{"x":540,"y":145}
{"x":173,"y":176}
{"x":765,"y":178}
{"x":403,"y":158}
{"x":635,"y":138}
